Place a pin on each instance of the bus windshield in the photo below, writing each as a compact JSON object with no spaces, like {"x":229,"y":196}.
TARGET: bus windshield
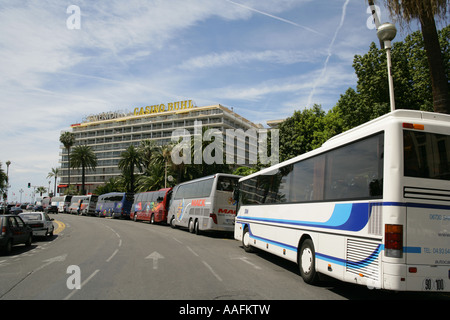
{"x":426,"y":155}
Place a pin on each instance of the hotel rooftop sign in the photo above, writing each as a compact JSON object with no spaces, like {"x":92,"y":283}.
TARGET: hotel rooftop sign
{"x":171,"y":106}
{"x":158,"y":108}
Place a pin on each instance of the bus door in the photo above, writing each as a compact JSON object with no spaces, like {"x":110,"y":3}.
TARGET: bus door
{"x":224,"y":204}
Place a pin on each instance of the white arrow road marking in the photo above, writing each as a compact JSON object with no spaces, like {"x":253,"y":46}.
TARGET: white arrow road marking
{"x":51,"y":260}
{"x":155,"y":256}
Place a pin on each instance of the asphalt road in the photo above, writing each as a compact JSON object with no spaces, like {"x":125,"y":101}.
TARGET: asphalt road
{"x":92,"y":258}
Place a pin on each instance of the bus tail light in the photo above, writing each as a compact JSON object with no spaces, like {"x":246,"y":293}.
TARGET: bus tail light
{"x":214,"y":217}
{"x":393,"y":240}
{"x":3,"y":230}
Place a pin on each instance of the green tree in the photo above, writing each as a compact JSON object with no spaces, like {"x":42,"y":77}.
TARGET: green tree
{"x":162,"y":158}
{"x":302,"y":132}
{"x":114,"y":184}
{"x":41,"y":190}
{"x":412,"y":85}
{"x":147,"y":150}
{"x":152,"y":179}
{"x":130,"y":159}
{"x":83,"y":157}
{"x":68,"y":140}
{"x":53,"y":174}
{"x":3,"y":182}
{"x":244,"y":171}
{"x":425,"y":11}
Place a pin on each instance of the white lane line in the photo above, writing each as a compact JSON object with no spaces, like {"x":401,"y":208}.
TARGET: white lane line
{"x":112,"y":256}
{"x":193,"y":252}
{"x":245,"y":259}
{"x":177,"y":240}
{"x":81,"y":286}
{"x":212,"y":271}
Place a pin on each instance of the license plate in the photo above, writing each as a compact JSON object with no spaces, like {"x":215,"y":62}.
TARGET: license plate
{"x":431,"y":284}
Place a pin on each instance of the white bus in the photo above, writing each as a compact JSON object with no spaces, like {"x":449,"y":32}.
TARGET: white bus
{"x":83,"y":205}
{"x":371,"y":206}
{"x":204,"y":204}
{"x":62,"y":203}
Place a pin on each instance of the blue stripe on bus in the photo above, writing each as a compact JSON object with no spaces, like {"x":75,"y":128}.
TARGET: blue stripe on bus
{"x":347,"y":216}
{"x":354,"y":264}
{"x":279,"y":244}
{"x":339,"y":261}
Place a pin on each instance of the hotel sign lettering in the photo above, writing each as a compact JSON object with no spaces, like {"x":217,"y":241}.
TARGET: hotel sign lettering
{"x":172,"y":106}
{"x":110,"y":115}
{"x":106,"y":116}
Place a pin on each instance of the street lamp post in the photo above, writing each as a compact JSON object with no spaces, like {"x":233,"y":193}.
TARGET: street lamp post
{"x":386,"y":33}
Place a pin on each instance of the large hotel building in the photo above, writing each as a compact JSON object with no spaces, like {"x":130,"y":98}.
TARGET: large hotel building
{"x":110,"y":133}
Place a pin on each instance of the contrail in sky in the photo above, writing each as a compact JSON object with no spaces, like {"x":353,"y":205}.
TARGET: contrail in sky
{"x":274,"y":17}
{"x":324,"y":70}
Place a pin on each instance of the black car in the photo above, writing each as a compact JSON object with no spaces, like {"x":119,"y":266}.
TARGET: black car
{"x":13,"y":231}
{"x":51,"y":209}
{"x":15,"y":210}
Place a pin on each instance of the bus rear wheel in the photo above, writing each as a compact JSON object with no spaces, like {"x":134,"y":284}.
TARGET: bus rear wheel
{"x":197,"y":227}
{"x":307,"y":262}
{"x":191,"y":226}
{"x":246,"y":241}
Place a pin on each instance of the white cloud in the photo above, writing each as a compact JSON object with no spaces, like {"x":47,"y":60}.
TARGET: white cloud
{"x":261,"y":56}
{"x":224,"y":59}
{"x":334,"y":77}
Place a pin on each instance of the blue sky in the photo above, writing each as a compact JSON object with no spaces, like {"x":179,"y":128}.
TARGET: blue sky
{"x":264,"y":58}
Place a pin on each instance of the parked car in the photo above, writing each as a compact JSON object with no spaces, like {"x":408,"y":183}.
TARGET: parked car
{"x":15,"y":210}
{"x":40,"y":223}
{"x":13,"y":230}
{"x":51,"y":209}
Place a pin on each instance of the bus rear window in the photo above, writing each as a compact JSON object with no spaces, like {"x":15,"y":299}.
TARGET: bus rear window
{"x":426,"y":155}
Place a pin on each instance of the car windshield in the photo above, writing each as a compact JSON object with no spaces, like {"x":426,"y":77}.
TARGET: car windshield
{"x":31,"y":216}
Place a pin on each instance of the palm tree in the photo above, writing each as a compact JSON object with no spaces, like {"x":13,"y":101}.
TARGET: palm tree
{"x":153,"y":179}
{"x":68,"y":140}
{"x":54,"y":173}
{"x":83,"y":157}
{"x":130,"y":159}
{"x":41,"y":190}
{"x":425,"y":11}
{"x":3,"y":181}
{"x":114,"y":184}
{"x":147,"y":150}
{"x":162,"y":156}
